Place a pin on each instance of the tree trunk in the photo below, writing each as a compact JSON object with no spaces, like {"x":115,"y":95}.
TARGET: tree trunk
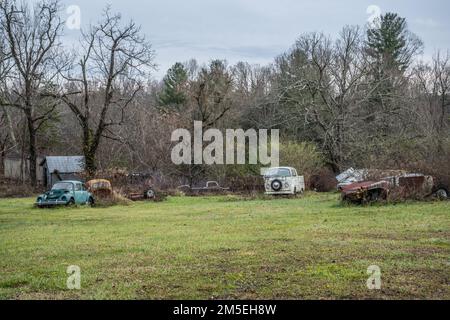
{"x":334,"y":167}
{"x":440,"y":133}
{"x":32,"y":150}
{"x":90,"y":166}
{"x":89,"y":151}
{"x":2,"y":163}
{"x":12,"y":135}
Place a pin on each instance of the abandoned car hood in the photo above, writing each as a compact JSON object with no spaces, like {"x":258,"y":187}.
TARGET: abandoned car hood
{"x":364,"y":186}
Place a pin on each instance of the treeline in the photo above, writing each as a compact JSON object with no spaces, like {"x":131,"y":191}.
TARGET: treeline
{"x":362,"y":99}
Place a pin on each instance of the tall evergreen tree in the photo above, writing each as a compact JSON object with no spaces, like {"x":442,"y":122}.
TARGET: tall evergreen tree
{"x":173,"y":94}
{"x":390,"y":44}
{"x":391,"y":48}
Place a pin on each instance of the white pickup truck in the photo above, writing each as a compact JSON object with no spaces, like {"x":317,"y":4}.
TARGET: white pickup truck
{"x":283,"y":181}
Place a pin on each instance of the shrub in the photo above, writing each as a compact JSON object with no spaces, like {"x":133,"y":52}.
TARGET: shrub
{"x":305,"y":157}
{"x":15,"y":189}
{"x":248,"y":185}
{"x":323,"y":181}
{"x":114,"y":199}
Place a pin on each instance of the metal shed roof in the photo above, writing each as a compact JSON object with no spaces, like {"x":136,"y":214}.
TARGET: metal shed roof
{"x":64,"y":164}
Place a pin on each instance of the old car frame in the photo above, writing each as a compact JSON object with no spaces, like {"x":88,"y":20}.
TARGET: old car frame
{"x":408,"y":185}
{"x":211,"y":187}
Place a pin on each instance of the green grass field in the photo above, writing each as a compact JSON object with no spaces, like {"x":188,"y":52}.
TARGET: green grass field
{"x":223,"y":248}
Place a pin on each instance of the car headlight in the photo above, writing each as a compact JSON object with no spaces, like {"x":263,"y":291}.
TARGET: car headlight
{"x":286,"y":185}
{"x":63,"y":198}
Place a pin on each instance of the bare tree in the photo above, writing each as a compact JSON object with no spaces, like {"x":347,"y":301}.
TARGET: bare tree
{"x":441,"y":73}
{"x":211,"y":92}
{"x":326,"y":88}
{"x":258,"y":105}
{"x":432,"y":90}
{"x":4,"y":138}
{"x":32,"y":41}
{"x":210,"y":101}
{"x":104,"y":82}
{"x":4,"y":134}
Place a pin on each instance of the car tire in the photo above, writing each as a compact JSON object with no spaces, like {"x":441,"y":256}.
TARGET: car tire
{"x":442,"y":194}
{"x":71,"y":203}
{"x":374,"y":196}
{"x":91,"y":202}
{"x":346,"y":201}
{"x":150,"y":194}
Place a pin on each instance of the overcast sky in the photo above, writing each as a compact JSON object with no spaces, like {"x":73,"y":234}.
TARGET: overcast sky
{"x":256,"y":31}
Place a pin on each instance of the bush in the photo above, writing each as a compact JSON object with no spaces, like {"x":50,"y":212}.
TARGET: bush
{"x":15,"y":189}
{"x":323,"y":181}
{"x":113,"y":199}
{"x":247,"y":185}
{"x":306,"y":158}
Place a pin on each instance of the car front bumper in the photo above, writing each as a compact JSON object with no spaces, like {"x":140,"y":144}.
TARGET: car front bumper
{"x":50,"y":203}
{"x":282,"y":192}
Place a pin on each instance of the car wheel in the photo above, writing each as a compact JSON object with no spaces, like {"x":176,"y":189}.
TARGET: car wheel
{"x":91,"y":202}
{"x":442,"y":194}
{"x":150,"y":194}
{"x":374,"y":196}
{"x":71,"y":203}
{"x":346,"y":200}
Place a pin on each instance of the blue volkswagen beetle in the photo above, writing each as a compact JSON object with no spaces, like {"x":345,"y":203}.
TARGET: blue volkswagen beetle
{"x":66,"y":193}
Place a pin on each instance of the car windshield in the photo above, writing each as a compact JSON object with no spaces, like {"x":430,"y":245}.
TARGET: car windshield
{"x":63,"y":186}
{"x":278,"y":172}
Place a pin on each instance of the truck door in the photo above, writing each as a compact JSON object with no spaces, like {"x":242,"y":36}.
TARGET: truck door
{"x":296,"y":185}
{"x":295,"y":175}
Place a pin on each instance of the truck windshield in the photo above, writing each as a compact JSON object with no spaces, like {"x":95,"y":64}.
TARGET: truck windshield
{"x":63,"y":186}
{"x":278,"y":172}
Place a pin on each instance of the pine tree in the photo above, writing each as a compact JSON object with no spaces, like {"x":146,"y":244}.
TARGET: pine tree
{"x":391,"y":48}
{"x":173,"y":94}
{"x":390,"y":43}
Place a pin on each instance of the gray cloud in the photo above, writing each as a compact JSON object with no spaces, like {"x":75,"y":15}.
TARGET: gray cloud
{"x":256,"y":30}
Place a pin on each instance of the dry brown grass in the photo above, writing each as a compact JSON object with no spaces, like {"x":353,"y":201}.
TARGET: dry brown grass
{"x":113,"y":199}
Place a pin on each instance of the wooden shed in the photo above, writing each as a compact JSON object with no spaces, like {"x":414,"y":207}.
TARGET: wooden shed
{"x":62,"y":168}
